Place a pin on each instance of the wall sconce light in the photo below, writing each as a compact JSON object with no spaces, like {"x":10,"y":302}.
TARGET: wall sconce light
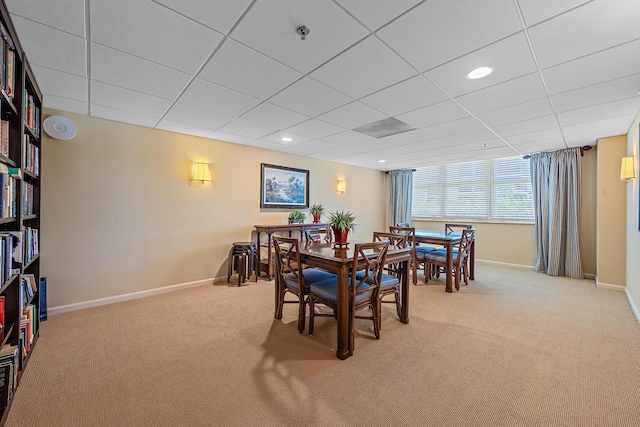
{"x":201,"y":172}
{"x":342,"y":186}
{"x":628,"y":168}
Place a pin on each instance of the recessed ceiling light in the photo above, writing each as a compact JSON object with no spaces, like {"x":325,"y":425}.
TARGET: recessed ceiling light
{"x":479,"y":73}
{"x":286,"y":139}
{"x":382,"y":161}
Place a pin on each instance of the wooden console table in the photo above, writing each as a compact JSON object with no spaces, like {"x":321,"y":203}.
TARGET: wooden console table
{"x":266,"y":265}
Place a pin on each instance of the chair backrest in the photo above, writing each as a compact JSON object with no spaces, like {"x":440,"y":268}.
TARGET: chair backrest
{"x":374,"y":255}
{"x":288,"y":260}
{"x":450,"y":228}
{"x":410,"y":232}
{"x":396,"y":240}
{"x":403,"y":224}
{"x":320,"y":234}
{"x":468,"y":236}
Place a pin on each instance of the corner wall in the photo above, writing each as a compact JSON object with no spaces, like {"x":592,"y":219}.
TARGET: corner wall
{"x":119,"y":214}
{"x":632,"y":233}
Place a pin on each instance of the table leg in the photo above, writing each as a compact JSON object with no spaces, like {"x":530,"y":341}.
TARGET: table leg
{"x":269,"y":265}
{"x":404,"y":289}
{"x":472,"y":261}
{"x":344,"y":348}
{"x":449,"y":287}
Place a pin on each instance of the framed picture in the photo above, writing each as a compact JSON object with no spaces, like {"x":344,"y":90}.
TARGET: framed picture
{"x":283,"y":187}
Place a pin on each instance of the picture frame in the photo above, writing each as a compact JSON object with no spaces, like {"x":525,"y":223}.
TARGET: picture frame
{"x":283,"y":187}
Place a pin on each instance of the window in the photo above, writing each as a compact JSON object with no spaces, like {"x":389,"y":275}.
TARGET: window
{"x":497,"y":190}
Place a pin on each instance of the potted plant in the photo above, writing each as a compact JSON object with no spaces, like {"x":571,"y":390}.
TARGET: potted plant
{"x":316,"y":211}
{"x":296,"y":217}
{"x":341,"y":223}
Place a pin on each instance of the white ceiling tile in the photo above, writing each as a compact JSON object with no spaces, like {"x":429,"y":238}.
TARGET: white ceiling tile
{"x":265,"y":145}
{"x":69,"y":55}
{"x":374,"y":14}
{"x":277,"y":137}
{"x":311,"y":147}
{"x":143,"y":30}
{"x":364,"y":69}
{"x":438,"y":31}
{"x":66,"y":104}
{"x":120,"y":69}
{"x":516,"y":113}
{"x":595,"y":26}
{"x":198,"y":117}
{"x":609,"y":126}
{"x":65,"y":15}
{"x":219,"y":15}
{"x":513,"y":92}
{"x":309,"y":97}
{"x":347,"y":138}
{"x":536,"y":137}
{"x":263,"y":120}
{"x":123,"y":116}
{"x":612,"y":90}
{"x":245,"y":70}
{"x":314,"y":129}
{"x":210,"y":96}
{"x":476,"y":137}
{"x":434,"y":114}
{"x":352,"y":115}
{"x":409,"y":95}
{"x":602,"y":111}
{"x":487,"y":145}
{"x":526,"y":126}
{"x":107,"y":95}
{"x":540,"y":146}
{"x":270,"y":27}
{"x":58,"y":83}
{"x":455,"y":127}
{"x":179,"y":127}
{"x":535,"y":11}
{"x":409,"y":137}
{"x":594,"y":68}
{"x":497,"y":153}
{"x":229,"y":137}
{"x":509,"y":58}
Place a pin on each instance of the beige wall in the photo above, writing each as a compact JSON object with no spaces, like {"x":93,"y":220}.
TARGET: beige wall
{"x":119,"y":214}
{"x":611,"y":217}
{"x":516,"y":244}
{"x":632,"y":234}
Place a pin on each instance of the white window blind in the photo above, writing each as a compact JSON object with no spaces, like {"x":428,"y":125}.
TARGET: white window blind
{"x":487,"y":189}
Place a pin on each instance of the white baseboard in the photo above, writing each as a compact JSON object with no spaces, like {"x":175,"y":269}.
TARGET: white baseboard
{"x":610,"y":286}
{"x":504,"y":264}
{"x":634,"y":309}
{"x":133,"y":295}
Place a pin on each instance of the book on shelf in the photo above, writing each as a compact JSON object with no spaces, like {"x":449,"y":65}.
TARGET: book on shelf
{"x":4,"y":138}
{"x":10,"y":82}
{"x":2,"y":311}
{"x":16,"y":252}
{"x":5,"y":386}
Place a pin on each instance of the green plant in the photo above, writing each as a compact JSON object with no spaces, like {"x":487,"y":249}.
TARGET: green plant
{"x":342,"y":220}
{"x":316,"y":209}
{"x":297,"y":217}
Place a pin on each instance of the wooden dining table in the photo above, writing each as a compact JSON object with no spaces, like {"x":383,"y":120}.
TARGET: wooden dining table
{"x":339,"y":260}
{"x":448,"y":240}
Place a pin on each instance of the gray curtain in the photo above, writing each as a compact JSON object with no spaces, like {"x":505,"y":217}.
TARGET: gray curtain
{"x":401,"y":190}
{"x":555,"y":181}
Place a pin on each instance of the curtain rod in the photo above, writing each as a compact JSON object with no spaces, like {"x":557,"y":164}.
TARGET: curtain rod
{"x":582,"y":150}
{"x":387,"y":172}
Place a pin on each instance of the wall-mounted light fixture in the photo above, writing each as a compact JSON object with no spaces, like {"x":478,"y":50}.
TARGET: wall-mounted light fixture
{"x":628,"y":168}
{"x":201,"y":172}
{"x":342,"y":186}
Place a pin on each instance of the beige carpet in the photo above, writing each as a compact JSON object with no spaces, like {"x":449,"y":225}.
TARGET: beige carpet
{"x":514,"y":348}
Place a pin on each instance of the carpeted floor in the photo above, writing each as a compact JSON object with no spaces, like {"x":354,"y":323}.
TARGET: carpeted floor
{"x":514,"y":348}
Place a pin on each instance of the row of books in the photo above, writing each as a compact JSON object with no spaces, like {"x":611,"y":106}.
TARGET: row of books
{"x":28,"y":289}
{"x":4,"y":138}
{"x":9,"y":366}
{"x":10,"y":255}
{"x":7,"y":62}
{"x":31,"y":246}
{"x":30,"y":156}
{"x":27,"y":198}
{"x":8,"y":191}
{"x":31,"y":114}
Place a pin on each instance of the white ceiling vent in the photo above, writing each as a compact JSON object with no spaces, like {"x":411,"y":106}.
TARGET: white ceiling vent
{"x":384,"y":127}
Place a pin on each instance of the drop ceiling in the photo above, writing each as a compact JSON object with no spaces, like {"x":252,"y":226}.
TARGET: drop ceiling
{"x":566,"y":72}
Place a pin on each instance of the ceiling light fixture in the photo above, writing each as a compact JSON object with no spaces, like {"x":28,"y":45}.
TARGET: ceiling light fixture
{"x":303,"y":31}
{"x":382,"y":161}
{"x":479,"y":73}
{"x":286,"y":139}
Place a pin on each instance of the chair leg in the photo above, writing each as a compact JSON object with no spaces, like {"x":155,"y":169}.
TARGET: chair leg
{"x":301,"y":314}
{"x":377,"y":319}
{"x":311,"y":312}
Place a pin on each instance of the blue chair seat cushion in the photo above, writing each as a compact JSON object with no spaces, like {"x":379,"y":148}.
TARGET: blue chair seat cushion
{"x":328,"y":289}
{"x":388,"y":281}
{"x":440,"y":256}
{"x":311,"y":275}
{"x":425,"y":249}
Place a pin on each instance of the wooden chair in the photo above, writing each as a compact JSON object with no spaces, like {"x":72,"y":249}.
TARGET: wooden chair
{"x":291,"y":276}
{"x":364,"y":289}
{"x":417,"y":258}
{"x":460,"y":258}
{"x":449,"y":228}
{"x":390,"y":281}
{"x":320,"y":234}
